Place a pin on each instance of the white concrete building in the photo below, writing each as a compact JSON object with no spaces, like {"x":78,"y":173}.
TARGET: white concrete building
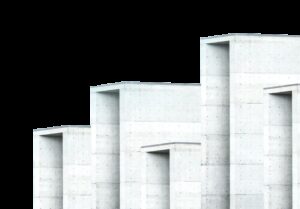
{"x":231,"y":142}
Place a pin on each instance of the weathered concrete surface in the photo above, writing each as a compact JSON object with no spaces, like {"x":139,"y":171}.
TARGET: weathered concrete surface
{"x":281,"y":143}
{"x":105,"y":129}
{"x":173,"y":172}
{"x":215,"y":127}
{"x":62,"y":168}
{"x":245,"y":114}
{"x":126,"y":116}
{"x":254,"y":62}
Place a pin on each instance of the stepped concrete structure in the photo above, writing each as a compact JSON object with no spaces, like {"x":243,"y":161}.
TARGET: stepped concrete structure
{"x":230,"y":142}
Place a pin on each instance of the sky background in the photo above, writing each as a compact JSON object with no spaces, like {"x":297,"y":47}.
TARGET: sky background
{"x":69,"y":61}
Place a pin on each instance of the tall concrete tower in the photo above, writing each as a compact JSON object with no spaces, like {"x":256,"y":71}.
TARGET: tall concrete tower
{"x":230,"y":142}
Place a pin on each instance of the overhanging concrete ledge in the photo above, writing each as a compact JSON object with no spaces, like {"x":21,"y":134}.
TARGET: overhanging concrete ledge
{"x":282,"y":89}
{"x":57,"y":129}
{"x":134,"y":84}
{"x":169,"y":146}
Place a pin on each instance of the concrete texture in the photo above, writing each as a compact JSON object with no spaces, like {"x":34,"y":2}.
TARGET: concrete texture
{"x":281,"y":149}
{"x":126,"y":116}
{"x":229,"y":143}
{"x":173,"y":172}
{"x":253,"y":63}
{"x":62,"y":168}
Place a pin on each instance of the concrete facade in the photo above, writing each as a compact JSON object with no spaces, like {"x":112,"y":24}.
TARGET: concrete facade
{"x":231,"y":142}
{"x":282,"y":146}
{"x":62,"y":168}
{"x":127,"y":116}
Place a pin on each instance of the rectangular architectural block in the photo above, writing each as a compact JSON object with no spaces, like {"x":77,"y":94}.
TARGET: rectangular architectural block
{"x":142,"y":149}
{"x":126,"y":116}
{"x":281,"y":141}
{"x":105,"y":124}
{"x":174,"y":172}
{"x":215,"y":121}
{"x":62,"y":168}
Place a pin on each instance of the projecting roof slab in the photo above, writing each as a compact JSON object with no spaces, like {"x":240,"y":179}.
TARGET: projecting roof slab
{"x":242,"y":36}
{"x":282,"y":89}
{"x":56,"y":129}
{"x":133,"y":84}
{"x":167,"y":146}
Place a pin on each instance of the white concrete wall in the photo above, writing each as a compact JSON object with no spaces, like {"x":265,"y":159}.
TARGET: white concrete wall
{"x":152,"y":114}
{"x":255,"y":63}
{"x":215,"y":125}
{"x":171,"y":176}
{"x":240,"y":168}
{"x":185,"y":176}
{"x":105,"y":125}
{"x":281,"y":107}
{"x":234,"y":71}
{"x":47,"y":172}
{"x":278,"y":151}
{"x":77,"y":171}
{"x":296,"y":147}
{"x":156,"y":183}
{"x":62,"y":168}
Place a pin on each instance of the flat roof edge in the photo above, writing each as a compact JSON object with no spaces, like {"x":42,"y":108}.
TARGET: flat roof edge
{"x":60,"y":127}
{"x":232,"y":36}
{"x":122,"y":84}
{"x":282,"y":86}
{"x":171,"y":143}
{"x":247,"y":34}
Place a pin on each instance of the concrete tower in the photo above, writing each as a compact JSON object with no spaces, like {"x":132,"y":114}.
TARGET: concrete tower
{"x":231,"y":142}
